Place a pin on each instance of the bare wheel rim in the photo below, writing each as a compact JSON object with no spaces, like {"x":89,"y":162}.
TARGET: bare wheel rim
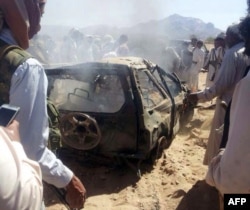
{"x":80,"y":131}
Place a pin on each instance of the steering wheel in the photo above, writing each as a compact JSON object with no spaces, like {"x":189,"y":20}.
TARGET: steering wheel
{"x":80,"y":131}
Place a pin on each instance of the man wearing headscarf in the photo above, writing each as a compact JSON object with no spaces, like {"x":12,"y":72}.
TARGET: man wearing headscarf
{"x":213,"y":63}
{"x":231,"y":71}
{"x":197,"y":64}
{"x":28,"y":90}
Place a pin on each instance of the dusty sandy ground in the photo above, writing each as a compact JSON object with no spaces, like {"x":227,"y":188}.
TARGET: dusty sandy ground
{"x":175,"y":182}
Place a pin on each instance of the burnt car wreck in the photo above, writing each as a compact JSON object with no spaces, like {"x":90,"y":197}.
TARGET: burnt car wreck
{"x":121,"y":108}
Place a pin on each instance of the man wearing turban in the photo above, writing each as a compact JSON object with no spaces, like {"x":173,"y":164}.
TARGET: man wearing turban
{"x":20,"y":21}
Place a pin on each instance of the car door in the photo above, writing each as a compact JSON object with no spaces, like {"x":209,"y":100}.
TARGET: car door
{"x":155,"y":110}
{"x":172,"y":85}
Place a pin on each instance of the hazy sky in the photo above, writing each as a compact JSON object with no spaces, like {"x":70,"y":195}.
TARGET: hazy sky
{"x":81,"y":13}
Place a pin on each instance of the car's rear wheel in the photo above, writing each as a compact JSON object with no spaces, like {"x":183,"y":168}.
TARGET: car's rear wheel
{"x":80,"y":131}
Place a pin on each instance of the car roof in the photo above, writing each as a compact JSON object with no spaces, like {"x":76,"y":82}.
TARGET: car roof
{"x":135,"y":62}
{"x":129,"y":61}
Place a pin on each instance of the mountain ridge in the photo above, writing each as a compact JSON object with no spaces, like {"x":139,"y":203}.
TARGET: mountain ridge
{"x":173,"y":27}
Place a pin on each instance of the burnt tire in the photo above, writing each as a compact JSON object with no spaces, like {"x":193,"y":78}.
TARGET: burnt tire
{"x":157,"y":152}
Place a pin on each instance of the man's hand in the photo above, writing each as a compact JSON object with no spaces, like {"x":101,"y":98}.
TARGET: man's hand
{"x":193,"y":98}
{"x":13,"y":131}
{"x":76,"y":193}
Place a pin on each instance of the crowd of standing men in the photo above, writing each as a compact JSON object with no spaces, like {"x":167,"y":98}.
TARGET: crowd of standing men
{"x":227,"y":153}
{"x":227,"y":66}
{"x":77,"y":47}
{"x":192,"y":58}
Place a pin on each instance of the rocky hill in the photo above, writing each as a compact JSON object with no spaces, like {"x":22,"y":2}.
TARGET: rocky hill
{"x":172,"y":27}
{"x":177,"y":27}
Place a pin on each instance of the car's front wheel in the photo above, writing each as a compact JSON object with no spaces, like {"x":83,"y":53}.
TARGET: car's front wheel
{"x":157,"y":151}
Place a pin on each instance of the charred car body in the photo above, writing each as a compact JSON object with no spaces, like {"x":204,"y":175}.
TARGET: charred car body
{"x":122,"y":107}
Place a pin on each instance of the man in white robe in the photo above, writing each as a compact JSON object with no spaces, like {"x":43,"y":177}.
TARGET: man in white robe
{"x":229,"y":170}
{"x":231,"y":71}
{"x":197,"y":64}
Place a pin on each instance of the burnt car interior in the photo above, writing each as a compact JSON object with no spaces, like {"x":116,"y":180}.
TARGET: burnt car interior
{"x":93,"y":94}
{"x":93,"y":108}
{"x":115,"y":110}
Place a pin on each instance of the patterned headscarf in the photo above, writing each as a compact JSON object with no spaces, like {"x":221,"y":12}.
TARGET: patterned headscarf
{"x":23,"y":18}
